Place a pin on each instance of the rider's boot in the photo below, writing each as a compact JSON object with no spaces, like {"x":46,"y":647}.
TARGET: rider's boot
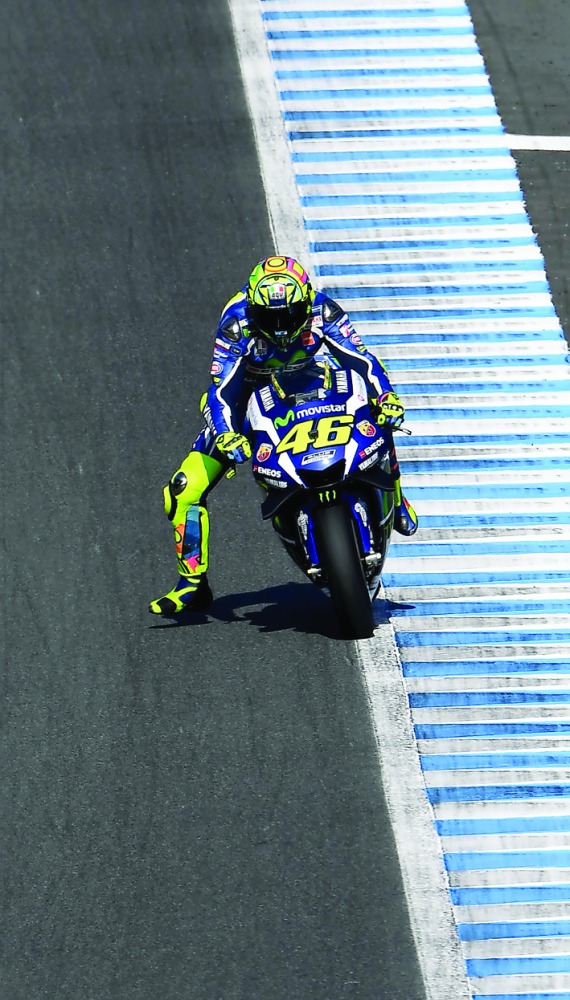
{"x":405,"y":517}
{"x":189,"y":594}
{"x":190,"y":518}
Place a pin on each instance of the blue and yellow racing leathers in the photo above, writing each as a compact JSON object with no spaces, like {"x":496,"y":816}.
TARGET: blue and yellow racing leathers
{"x":243,"y":358}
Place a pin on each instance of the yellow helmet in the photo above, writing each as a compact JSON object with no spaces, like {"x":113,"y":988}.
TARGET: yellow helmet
{"x":279,"y":299}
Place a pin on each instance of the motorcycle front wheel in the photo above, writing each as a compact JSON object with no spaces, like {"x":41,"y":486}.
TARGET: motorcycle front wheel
{"x":342,"y":570}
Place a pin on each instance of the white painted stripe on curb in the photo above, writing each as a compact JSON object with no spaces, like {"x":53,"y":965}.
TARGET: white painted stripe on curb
{"x":379,"y":42}
{"x":493,"y":913}
{"x":318,"y":21}
{"x":380,"y":59}
{"x":402,"y":144}
{"x":348,"y":5}
{"x":393,"y":124}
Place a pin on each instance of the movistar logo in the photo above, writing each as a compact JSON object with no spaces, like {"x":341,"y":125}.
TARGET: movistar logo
{"x":283,"y":421}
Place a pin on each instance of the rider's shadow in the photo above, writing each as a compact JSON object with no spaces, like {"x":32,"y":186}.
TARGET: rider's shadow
{"x":297,"y":607}
{"x":294,"y":607}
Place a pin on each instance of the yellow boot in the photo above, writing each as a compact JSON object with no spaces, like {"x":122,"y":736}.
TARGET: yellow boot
{"x":182,"y":504}
{"x":405,"y":517}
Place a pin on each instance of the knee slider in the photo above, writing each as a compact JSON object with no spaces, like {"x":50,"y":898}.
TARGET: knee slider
{"x":178,"y":484}
{"x":179,"y":495}
{"x":173,"y":494}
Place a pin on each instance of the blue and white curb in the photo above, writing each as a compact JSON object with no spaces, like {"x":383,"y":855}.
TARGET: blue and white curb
{"x":416,"y":223}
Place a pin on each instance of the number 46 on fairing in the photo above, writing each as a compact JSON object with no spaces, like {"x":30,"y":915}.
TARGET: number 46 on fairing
{"x":329,"y":431}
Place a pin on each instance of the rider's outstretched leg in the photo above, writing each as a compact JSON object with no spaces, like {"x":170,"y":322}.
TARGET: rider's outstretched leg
{"x":184,"y":506}
{"x":405,"y":517}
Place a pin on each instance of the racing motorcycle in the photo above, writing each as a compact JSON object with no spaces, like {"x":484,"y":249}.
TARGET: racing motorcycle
{"x":323,"y":463}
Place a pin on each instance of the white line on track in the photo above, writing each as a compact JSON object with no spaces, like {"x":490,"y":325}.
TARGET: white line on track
{"x":554,"y":143}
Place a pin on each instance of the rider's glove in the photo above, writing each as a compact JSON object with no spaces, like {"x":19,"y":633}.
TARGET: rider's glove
{"x":389,"y":410}
{"x":234,"y":446}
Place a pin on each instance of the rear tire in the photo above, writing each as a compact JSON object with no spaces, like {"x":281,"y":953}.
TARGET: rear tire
{"x":342,"y":568}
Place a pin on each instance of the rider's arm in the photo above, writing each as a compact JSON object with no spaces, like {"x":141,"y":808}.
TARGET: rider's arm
{"x":227,"y":371}
{"x":346,"y":346}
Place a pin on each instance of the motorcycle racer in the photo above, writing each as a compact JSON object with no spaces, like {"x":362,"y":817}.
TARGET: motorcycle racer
{"x":277,"y":318}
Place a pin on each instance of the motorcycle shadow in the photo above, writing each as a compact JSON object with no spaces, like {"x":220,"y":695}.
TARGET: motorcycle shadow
{"x":294,"y":607}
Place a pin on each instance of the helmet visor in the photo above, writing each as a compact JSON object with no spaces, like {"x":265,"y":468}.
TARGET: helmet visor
{"x":281,"y":323}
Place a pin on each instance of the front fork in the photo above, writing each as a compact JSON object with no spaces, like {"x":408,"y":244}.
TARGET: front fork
{"x":373,"y":530}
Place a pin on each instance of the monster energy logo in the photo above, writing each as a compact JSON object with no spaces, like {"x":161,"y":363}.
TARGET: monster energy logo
{"x":283,"y":421}
{"x":328,"y":496}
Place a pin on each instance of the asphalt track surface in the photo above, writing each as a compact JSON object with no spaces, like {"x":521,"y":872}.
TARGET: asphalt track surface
{"x":187,"y":812}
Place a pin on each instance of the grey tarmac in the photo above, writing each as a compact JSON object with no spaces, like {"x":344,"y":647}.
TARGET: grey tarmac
{"x":187,"y":812}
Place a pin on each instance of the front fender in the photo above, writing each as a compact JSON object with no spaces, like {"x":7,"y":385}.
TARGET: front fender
{"x":275,"y":500}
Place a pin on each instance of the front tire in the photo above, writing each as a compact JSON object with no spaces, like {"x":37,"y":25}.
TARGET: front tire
{"x":342,"y":569}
